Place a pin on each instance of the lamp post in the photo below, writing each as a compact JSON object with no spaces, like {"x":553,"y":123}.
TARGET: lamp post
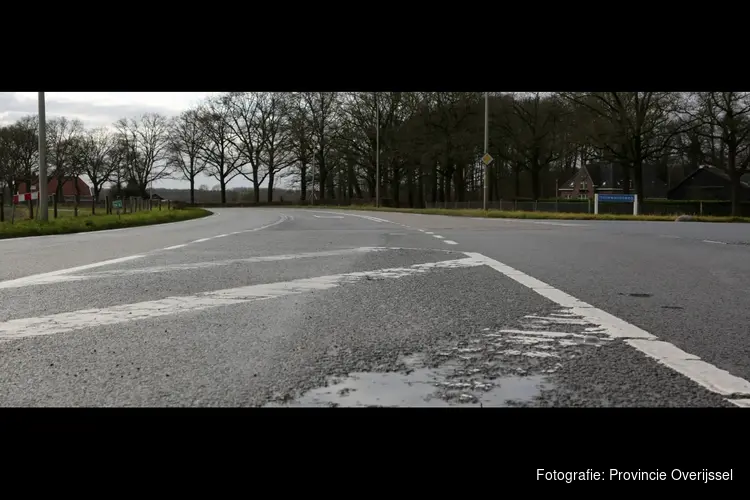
{"x":486,"y":146}
{"x":42,"y":212}
{"x":377,"y":151}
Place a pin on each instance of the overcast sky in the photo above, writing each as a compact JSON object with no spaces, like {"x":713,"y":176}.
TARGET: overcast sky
{"x":97,"y":109}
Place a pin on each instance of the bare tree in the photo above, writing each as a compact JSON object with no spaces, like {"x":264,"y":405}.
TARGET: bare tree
{"x":245,"y":119}
{"x":219,"y":151}
{"x":61,"y":150}
{"x":276,"y":132}
{"x":100,"y":158}
{"x":630,"y":128}
{"x":722,"y":122}
{"x":300,"y":143}
{"x":322,"y":108}
{"x":147,"y":139}
{"x":187,"y":139}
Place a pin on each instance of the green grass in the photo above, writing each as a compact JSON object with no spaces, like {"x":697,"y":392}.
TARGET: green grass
{"x":498,"y":214}
{"x":87,"y":222}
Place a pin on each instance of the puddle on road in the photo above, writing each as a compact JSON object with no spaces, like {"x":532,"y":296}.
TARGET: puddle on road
{"x":422,"y":387}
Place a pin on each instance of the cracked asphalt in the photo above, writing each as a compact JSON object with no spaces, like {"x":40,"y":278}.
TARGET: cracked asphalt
{"x":295,"y":307}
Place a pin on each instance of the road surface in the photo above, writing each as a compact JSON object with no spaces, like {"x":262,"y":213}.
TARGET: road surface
{"x":285,"y":307}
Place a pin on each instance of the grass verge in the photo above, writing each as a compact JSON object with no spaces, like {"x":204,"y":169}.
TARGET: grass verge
{"x":67,"y":225}
{"x":498,"y":214}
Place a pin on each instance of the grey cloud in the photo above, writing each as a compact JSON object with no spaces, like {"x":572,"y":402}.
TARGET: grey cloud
{"x":92,"y":115}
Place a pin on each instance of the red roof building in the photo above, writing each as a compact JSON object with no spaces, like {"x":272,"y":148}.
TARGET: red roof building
{"x":69,"y":187}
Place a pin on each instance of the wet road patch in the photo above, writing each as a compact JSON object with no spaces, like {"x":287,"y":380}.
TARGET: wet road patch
{"x":506,"y":366}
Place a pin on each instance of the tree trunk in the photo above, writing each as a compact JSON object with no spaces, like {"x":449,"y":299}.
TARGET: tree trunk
{"x":269,"y":198}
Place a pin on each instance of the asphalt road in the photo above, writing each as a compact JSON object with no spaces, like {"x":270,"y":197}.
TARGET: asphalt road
{"x":283,"y":307}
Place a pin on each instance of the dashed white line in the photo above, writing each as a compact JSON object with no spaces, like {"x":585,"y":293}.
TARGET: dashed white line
{"x":438,"y":236}
{"x":450,"y":242}
{"x":716,"y":380}
{"x":429,"y":232}
{"x":714,"y":242}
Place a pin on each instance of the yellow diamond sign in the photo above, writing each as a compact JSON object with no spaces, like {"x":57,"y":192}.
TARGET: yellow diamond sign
{"x":487,"y":159}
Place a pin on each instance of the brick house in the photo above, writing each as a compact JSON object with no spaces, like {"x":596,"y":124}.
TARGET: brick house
{"x":609,"y":178}
{"x":68,"y":188}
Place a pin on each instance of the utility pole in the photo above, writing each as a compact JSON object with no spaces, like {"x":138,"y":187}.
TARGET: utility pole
{"x":43,"y":211}
{"x":486,"y":146}
{"x":377,"y":151}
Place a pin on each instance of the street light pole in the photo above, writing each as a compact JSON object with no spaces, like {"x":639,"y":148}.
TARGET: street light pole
{"x":377,"y":151}
{"x":486,"y":146}
{"x":43,"y":211}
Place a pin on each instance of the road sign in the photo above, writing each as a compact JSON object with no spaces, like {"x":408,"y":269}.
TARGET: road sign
{"x":117,"y":204}
{"x":616,"y":198}
{"x":487,"y":159}
{"x":621,"y":198}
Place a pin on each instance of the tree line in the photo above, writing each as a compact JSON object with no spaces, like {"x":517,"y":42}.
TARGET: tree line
{"x":431,"y":143}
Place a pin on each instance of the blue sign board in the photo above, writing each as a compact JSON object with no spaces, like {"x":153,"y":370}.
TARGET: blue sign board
{"x":621,"y":198}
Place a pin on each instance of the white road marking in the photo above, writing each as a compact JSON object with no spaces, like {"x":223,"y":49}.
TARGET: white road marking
{"x":65,"y":278}
{"x":88,"y":318}
{"x":421,"y":230}
{"x":368,"y":217}
{"x":706,"y":375}
{"x":429,"y":232}
{"x":329,"y":216}
{"x":556,"y":319}
{"x":714,"y":242}
{"x":44,"y":278}
{"x":437,"y":236}
{"x":221,"y":236}
{"x":541,"y":333}
{"x":450,"y":242}
{"x":546,"y":223}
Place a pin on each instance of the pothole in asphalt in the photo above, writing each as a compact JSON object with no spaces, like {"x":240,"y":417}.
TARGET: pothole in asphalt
{"x":421,"y":386}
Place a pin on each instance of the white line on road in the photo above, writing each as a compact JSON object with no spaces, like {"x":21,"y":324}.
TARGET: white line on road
{"x":429,"y":232}
{"x":546,"y":223}
{"x":708,"y":376}
{"x":450,"y":242}
{"x":54,"y":276}
{"x":91,"y":318}
{"x":714,"y":242}
{"x":368,"y":217}
{"x":202,"y":240}
{"x":438,"y":236}
{"x":66,"y":278}
{"x":329,"y":216}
